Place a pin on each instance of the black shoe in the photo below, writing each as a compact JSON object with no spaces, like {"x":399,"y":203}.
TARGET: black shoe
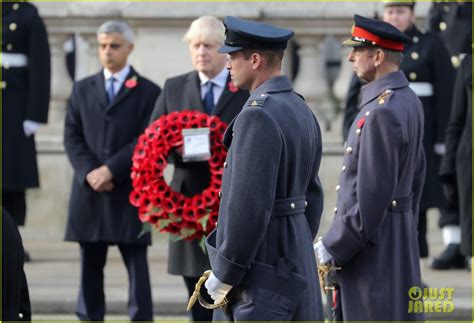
{"x":451,"y":257}
{"x":27,"y":256}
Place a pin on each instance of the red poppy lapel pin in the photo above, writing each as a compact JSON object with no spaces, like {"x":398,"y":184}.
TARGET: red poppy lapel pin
{"x":232,"y":87}
{"x":361,"y":123}
{"x":131,"y":83}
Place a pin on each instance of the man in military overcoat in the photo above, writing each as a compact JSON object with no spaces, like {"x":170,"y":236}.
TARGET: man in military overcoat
{"x":106,"y":113}
{"x":373,"y":237}
{"x":427,"y":66}
{"x":26,"y":75}
{"x":271,"y":201}
{"x":189,"y":92}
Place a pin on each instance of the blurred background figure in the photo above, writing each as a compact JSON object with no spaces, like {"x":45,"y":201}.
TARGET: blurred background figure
{"x":427,"y":65}
{"x":25,"y":85}
{"x":452,"y":21}
{"x":456,"y":166}
{"x":15,"y":296}
{"x":206,"y":89}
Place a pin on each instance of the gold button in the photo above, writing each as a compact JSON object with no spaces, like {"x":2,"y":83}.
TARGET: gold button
{"x":225,"y":164}
{"x":415,"y":56}
{"x":219,"y":194}
{"x":3,"y":85}
{"x":367,"y":113}
{"x":412,"y":76}
{"x":335,"y":210}
{"x":12,"y":26}
{"x":443,"y":26}
{"x":233,"y":133}
{"x":456,"y":61}
{"x":349,"y":150}
{"x":344,"y":168}
{"x":9,"y":46}
{"x":338,"y":187}
{"x":416,"y":39}
{"x":305,"y":203}
{"x":16,"y":6}
{"x":394,"y":203}
{"x":358,"y":132}
{"x":292,"y":206}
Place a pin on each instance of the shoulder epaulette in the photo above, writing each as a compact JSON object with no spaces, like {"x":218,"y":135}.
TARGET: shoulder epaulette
{"x":385,"y":96}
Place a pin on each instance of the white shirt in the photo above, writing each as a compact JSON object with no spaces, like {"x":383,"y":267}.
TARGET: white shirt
{"x":220,"y":82}
{"x":119,"y":77}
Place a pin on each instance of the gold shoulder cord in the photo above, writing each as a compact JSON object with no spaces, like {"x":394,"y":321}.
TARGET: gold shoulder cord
{"x":197,"y":295}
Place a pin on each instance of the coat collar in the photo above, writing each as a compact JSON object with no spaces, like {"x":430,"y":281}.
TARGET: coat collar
{"x":274,"y":85}
{"x":390,"y":81}
{"x":98,"y":83}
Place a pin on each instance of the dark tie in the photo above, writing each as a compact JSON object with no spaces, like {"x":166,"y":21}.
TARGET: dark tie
{"x":209,"y":97}
{"x":110,"y":89}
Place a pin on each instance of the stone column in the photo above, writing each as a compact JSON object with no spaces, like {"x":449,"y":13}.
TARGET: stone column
{"x":60,"y":86}
{"x":90,"y":54}
{"x":311,"y":81}
{"x":341,"y":85}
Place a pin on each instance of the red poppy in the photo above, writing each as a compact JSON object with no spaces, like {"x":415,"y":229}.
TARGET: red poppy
{"x":232,"y":87}
{"x":131,"y":83}
{"x":361,"y":122}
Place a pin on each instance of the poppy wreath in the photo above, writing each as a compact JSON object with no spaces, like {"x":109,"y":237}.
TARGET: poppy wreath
{"x":189,"y":218}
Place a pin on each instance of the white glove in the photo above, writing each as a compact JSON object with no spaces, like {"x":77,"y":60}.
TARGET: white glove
{"x":439,"y":149}
{"x":30,"y":127}
{"x":323,"y":255}
{"x":216,"y":289}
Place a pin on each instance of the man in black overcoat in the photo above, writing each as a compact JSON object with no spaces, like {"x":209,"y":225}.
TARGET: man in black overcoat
{"x":106,"y":113}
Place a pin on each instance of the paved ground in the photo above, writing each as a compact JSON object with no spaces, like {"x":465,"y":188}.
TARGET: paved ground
{"x":54,"y":275}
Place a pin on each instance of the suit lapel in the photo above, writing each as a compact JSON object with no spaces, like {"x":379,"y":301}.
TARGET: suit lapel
{"x":124,"y":90}
{"x":99,"y":89}
{"x":192,"y":90}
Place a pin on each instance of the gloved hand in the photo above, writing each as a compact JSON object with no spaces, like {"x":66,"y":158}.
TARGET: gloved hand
{"x":323,"y":255}
{"x":30,"y":127}
{"x":217,"y":289}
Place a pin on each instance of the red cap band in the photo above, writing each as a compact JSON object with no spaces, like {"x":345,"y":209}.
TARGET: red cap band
{"x":385,"y":43}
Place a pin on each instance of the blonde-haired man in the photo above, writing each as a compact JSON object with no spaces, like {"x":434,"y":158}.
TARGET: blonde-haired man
{"x":206,"y":89}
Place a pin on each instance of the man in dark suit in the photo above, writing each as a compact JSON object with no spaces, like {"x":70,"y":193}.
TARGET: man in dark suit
{"x":373,"y":237}
{"x":106,"y":113}
{"x":261,"y":252}
{"x":206,"y":89}
{"x":25,"y":101}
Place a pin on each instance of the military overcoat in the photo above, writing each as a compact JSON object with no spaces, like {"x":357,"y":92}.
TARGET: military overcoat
{"x":457,"y":162}
{"x":25,"y":92}
{"x":373,"y":237}
{"x":271,"y":204}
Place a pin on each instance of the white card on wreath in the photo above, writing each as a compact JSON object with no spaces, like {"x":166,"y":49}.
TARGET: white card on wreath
{"x":197,"y":144}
